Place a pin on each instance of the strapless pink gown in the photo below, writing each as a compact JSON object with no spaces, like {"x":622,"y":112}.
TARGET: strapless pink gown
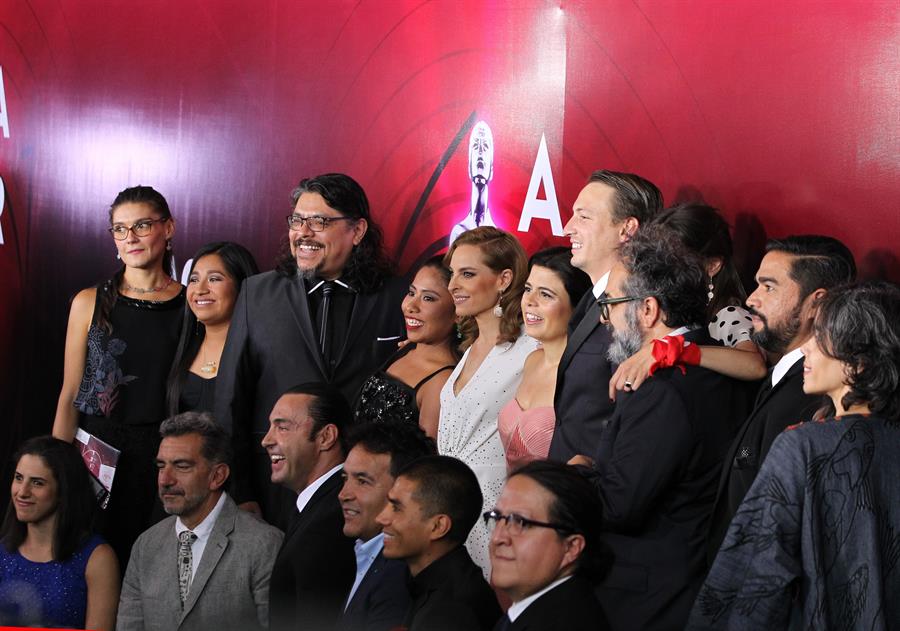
{"x":525,"y":434}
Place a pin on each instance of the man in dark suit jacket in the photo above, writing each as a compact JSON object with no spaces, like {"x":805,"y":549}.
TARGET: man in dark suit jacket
{"x":432,"y":507}
{"x":379,"y":598}
{"x":546,"y":549}
{"x":607,"y":212}
{"x":329,"y":313}
{"x":660,"y":456}
{"x":793,"y":276}
{"x":315,"y":566}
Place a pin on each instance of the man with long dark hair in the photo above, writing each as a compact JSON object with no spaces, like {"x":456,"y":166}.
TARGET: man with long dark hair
{"x":329,"y":313}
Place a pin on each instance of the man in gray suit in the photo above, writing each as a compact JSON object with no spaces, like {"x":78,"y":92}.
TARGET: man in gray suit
{"x":208,"y":566}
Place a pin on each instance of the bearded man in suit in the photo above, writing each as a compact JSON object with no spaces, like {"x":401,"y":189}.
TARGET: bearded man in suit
{"x":330,"y":313}
{"x":207,"y":566}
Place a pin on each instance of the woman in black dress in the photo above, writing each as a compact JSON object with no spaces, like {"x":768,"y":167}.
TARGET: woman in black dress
{"x":214,"y":283}
{"x":408,"y":387}
{"x":120,"y":343}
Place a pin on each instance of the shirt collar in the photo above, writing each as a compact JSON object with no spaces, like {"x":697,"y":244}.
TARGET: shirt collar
{"x":434,"y":575}
{"x":202,"y":529}
{"x":516,"y":609}
{"x":600,"y":287}
{"x":307,"y":493}
{"x":318,"y":282}
{"x":366,"y":551}
{"x":784,"y":364}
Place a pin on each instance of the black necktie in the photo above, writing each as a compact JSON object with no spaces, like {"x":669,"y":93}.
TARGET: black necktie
{"x":764,"y":389}
{"x":505,"y":623}
{"x":324,"y":308}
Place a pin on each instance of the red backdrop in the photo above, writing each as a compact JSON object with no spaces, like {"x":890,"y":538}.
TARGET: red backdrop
{"x":784,"y":115}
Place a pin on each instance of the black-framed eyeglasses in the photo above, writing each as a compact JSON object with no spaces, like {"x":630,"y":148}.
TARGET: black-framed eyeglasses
{"x":515,"y":523}
{"x":604,"y":301}
{"x":140,"y":228}
{"x":315,"y":223}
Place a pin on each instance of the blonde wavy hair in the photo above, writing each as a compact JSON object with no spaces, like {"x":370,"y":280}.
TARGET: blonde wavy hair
{"x":500,"y":251}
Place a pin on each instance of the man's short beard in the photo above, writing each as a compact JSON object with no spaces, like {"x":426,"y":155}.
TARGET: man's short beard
{"x":776,"y":339}
{"x":307,"y":273}
{"x":626,"y":343}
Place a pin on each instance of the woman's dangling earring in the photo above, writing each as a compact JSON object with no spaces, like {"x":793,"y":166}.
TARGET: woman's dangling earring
{"x":498,"y":310}
{"x":710,"y":293}
{"x":169,"y":245}
{"x":118,"y":256}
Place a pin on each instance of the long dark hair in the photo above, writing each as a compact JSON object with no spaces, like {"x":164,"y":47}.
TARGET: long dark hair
{"x":368,"y":265}
{"x":436,"y":263}
{"x":857,"y":325}
{"x":109,"y":289}
{"x":76,"y":503}
{"x":702,"y":229}
{"x":239,"y":264}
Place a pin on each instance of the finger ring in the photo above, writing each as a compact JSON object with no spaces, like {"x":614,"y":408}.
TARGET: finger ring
{"x":628,"y":385}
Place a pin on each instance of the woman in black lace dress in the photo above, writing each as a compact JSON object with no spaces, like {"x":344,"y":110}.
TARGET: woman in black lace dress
{"x":120,"y":343}
{"x":217,"y":271}
{"x":408,"y":387}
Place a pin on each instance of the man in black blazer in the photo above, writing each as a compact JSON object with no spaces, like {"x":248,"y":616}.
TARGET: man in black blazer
{"x":607,"y":212}
{"x":793,"y":276}
{"x":659,"y":458}
{"x":315,"y":566}
{"x":329,"y":313}
{"x":546,"y":549}
{"x":379,"y":598}
{"x":431,"y":509}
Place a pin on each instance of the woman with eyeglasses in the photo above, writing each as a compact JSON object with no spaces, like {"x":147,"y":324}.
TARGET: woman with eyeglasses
{"x":408,"y":387}
{"x":553,"y":287}
{"x":54,"y":571}
{"x":217,"y":271}
{"x":120,"y":343}
{"x":488,"y":271}
{"x":816,"y":542}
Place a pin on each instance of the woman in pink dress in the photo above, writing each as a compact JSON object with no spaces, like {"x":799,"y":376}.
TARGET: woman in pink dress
{"x":526,"y":422}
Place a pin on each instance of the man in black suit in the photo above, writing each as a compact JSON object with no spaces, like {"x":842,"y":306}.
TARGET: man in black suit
{"x":315,"y":566}
{"x":607,"y":213}
{"x":546,"y":549}
{"x":793,"y":277}
{"x":659,"y":458}
{"x":379,"y":598}
{"x":329,"y":313}
{"x":431,"y":509}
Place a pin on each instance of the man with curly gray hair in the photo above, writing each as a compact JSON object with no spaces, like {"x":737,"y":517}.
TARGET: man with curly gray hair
{"x":660,"y":456}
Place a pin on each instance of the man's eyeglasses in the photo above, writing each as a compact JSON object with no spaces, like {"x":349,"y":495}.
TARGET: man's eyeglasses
{"x":315,"y":223}
{"x":515,"y":523}
{"x":140,"y":228}
{"x":604,"y":301}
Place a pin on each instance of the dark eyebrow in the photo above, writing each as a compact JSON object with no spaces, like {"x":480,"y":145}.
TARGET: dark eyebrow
{"x":395,"y":502}
{"x":766,"y":279}
{"x":547,"y":289}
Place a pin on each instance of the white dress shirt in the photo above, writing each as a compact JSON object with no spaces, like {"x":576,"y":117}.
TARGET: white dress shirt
{"x":600,"y":287}
{"x":784,"y":364}
{"x":307,"y":493}
{"x":202,"y":530}
{"x":516,"y":609}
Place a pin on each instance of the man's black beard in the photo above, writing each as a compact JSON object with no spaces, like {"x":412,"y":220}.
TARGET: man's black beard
{"x":777,"y":339}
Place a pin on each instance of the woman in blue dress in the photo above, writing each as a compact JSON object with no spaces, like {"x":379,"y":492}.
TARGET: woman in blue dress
{"x":53,"y":571}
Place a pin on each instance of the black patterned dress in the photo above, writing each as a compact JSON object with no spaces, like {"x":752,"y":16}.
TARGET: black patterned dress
{"x":122,"y":400}
{"x":383,"y":397}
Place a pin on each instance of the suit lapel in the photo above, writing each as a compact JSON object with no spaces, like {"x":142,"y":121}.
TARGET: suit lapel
{"x":296,"y":293}
{"x":359,"y":317}
{"x":212,"y":553}
{"x":589,"y":322}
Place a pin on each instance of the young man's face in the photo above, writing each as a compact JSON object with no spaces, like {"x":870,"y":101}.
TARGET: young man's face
{"x":367,"y":480}
{"x":406,"y":528}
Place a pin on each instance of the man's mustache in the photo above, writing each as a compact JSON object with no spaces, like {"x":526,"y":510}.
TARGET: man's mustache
{"x":753,"y":311}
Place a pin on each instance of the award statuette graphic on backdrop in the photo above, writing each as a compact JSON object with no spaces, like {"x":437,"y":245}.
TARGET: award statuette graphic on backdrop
{"x":481,"y":171}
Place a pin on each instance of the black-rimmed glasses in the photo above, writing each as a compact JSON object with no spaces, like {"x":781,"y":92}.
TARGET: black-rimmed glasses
{"x":315,"y":223}
{"x":604,"y":301}
{"x":515,"y":523}
{"x":140,"y":228}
